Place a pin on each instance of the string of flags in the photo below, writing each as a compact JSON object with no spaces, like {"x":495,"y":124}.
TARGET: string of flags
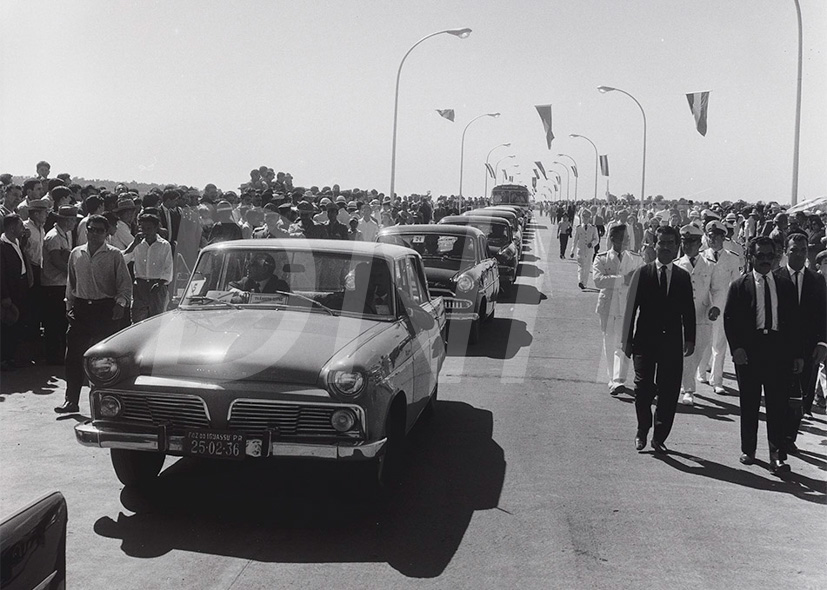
{"x":541,"y":169}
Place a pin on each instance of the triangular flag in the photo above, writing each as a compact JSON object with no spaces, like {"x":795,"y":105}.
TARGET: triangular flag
{"x":574,"y":170}
{"x":541,"y":169}
{"x":534,"y":183}
{"x":446,"y":113}
{"x":510,"y":179}
{"x":604,"y":165}
{"x":491,"y":170}
{"x":536,"y":174}
{"x":699,"y":105}
{"x":559,"y":180}
{"x":544,"y":111}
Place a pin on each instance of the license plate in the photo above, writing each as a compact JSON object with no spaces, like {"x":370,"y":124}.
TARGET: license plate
{"x":217,"y":444}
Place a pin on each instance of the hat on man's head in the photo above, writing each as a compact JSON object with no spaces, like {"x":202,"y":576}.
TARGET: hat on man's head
{"x":324,"y":202}
{"x":125,"y":205}
{"x":386,"y":201}
{"x":150,"y":215}
{"x":304,"y":207}
{"x":224,"y":206}
{"x":692,"y":230}
{"x":39,"y":205}
{"x":731,"y":217}
{"x":341,"y":199}
{"x":67,"y":212}
{"x":709,"y":213}
{"x":374,"y":203}
{"x":285,"y":206}
{"x":715,"y":225}
{"x":780,"y":217}
{"x":821,"y":256}
{"x":694,"y":214}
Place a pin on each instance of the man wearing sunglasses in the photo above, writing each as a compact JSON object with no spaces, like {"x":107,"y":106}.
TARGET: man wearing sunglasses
{"x":763,"y":326}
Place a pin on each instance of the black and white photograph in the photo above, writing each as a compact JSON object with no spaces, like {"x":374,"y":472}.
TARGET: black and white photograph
{"x":438,"y":294}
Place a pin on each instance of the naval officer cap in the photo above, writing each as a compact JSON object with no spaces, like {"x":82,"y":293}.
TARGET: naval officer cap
{"x":691,"y":230}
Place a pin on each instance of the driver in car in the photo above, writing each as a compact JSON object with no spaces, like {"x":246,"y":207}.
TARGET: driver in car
{"x":260,"y":277}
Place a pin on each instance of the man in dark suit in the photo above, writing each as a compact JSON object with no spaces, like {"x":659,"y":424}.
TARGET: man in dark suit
{"x":170,"y":216}
{"x":811,"y":292}
{"x":762,"y":325}
{"x":260,"y":277}
{"x":659,"y":337}
{"x":15,"y":280}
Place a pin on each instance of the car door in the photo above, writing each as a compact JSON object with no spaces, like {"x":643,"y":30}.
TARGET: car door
{"x":490,"y":272}
{"x":424,"y":328}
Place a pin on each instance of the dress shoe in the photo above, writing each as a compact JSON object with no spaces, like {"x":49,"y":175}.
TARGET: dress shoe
{"x":659,"y":447}
{"x":581,"y":285}
{"x":719,"y":390}
{"x":703,"y":379}
{"x":747,"y":459}
{"x":791,"y":448}
{"x":640,"y":443}
{"x":617,"y":390}
{"x":67,"y":408}
{"x":687,"y":399}
{"x":778,"y":466}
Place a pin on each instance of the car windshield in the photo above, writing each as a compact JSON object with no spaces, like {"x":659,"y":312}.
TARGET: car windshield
{"x":440,"y":250}
{"x":319,"y":282}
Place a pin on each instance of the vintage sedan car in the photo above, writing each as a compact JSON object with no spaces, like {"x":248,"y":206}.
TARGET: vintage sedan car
{"x":458,"y":267}
{"x":500,"y":243}
{"x":323,"y":349}
{"x":516,"y":227}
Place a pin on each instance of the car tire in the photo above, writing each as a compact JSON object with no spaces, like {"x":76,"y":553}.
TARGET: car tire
{"x":136,"y":468}
{"x":379,"y":475}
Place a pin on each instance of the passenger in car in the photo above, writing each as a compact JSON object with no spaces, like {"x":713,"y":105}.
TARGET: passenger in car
{"x":260,"y":277}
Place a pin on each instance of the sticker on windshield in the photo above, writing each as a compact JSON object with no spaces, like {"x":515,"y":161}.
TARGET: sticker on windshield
{"x":196,"y":285}
{"x":446,"y":243}
{"x":276,"y":298}
{"x":417,"y":239}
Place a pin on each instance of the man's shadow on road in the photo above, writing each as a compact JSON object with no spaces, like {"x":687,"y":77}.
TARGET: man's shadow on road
{"x":282,"y":511}
{"x":795,"y":484}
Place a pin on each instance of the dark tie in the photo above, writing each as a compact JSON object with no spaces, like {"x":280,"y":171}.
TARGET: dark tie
{"x":797,"y":291}
{"x":663,"y":286}
{"x":715,"y":252}
{"x":692,"y":261}
{"x":767,"y":305}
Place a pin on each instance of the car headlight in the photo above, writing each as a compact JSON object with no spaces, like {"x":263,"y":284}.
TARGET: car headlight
{"x":343,"y":420}
{"x":110,"y":406}
{"x":465,"y":283}
{"x":103,"y":369}
{"x":348,"y":383}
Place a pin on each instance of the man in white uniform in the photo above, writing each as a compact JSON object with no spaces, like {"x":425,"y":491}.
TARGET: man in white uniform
{"x":612,"y":271}
{"x":585,"y":239}
{"x":727,"y":268}
{"x":700,"y":269}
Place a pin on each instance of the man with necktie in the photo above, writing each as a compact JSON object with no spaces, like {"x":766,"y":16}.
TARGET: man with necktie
{"x":762,"y":324}
{"x":659,"y":336}
{"x":811,"y":296}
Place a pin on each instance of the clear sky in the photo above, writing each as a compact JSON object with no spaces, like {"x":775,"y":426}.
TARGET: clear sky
{"x":193,"y":92}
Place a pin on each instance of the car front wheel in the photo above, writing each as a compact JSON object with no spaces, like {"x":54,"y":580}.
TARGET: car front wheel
{"x":136,"y":468}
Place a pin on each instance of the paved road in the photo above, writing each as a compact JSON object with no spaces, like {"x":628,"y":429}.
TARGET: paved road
{"x":526,"y":478}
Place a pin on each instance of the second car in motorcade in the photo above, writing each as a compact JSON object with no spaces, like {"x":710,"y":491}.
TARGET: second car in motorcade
{"x":500,"y":243}
{"x":458,"y":266}
{"x":511,"y":217}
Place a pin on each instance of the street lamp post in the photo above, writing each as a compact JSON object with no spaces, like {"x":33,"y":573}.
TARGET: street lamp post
{"x":497,"y":166}
{"x":462,"y":145}
{"x":568,"y":179}
{"x":462,"y":34}
{"x":574,"y":167}
{"x":605,"y":89}
{"x":486,"y":166}
{"x":596,"y":160}
{"x":794,"y":197}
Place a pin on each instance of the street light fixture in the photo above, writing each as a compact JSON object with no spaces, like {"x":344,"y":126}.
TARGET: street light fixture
{"x":486,"y":165}
{"x":497,"y":165}
{"x":461,"y":34}
{"x":596,"y":160}
{"x":568,"y":179}
{"x":604,"y":90}
{"x":462,"y":145}
{"x":574,"y":167}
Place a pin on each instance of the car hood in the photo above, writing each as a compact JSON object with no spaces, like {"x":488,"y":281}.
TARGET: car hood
{"x":443,"y":276}
{"x":228,"y":345}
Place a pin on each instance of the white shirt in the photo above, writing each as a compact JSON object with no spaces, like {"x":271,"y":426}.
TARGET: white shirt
{"x":658,"y":266}
{"x":369,"y":229}
{"x":56,"y":239}
{"x":760,"y":304}
{"x":152,"y":261}
{"x":34,"y":245}
{"x":123,"y":236}
{"x":16,"y":247}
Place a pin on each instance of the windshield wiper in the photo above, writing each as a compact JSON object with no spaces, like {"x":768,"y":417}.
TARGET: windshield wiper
{"x":310,"y":299}
{"x":212,"y":300}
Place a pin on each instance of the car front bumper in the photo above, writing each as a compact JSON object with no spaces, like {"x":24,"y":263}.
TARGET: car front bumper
{"x":158,"y":440}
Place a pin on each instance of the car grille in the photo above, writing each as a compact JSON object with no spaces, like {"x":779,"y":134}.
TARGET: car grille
{"x":455,"y":304}
{"x":186,"y":411}
{"x":288,"y":420}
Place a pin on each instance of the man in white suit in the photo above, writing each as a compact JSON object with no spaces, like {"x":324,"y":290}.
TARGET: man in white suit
{"x":612,"y":271}
{"x":585,"y":239}
{"x":700,"y":269}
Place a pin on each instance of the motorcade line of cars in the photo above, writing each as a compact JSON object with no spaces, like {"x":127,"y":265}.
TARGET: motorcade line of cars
{"x":317,"y":349}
